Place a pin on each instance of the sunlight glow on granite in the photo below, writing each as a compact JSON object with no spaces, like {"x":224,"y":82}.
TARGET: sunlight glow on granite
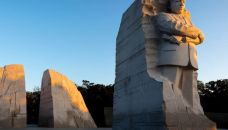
{"x":74,"y":95}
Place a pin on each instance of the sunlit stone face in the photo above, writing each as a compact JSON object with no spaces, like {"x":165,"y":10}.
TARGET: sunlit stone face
{"x":177,"y":6}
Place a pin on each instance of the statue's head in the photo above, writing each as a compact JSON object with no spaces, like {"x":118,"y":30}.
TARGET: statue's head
{"x":177,"y":6}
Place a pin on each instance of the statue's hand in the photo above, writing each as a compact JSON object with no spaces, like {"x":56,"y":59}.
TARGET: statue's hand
{"x":193,"y":32}
{"x":194,"y":35}
{"x":198,"y":40}
{"x":201,"y":36}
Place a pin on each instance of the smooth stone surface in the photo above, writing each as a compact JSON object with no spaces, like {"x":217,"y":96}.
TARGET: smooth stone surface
{"x":61,"y":104}
{"x":12,"y":97}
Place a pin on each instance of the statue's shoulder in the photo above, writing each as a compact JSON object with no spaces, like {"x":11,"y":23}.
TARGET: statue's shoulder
{"x":164,"y":16}
{"x":187,"y":14}
{"x":172,"y":16}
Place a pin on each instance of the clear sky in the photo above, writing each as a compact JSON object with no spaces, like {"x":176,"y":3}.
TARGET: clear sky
{"x":77,"y":37}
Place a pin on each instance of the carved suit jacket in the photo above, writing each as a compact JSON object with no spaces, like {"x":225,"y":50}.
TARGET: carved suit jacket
{"x":173,"y":49}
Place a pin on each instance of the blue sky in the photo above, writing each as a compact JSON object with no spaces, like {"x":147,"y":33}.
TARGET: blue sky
{"x":212,"y":18}
{"x":77,"y":37}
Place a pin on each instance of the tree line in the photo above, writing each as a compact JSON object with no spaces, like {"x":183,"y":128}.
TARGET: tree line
{"x":97,"y":97}
{"x":213,"y":96}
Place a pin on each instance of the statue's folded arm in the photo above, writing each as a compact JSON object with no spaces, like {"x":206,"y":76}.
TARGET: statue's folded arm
{"x":168,"y":25}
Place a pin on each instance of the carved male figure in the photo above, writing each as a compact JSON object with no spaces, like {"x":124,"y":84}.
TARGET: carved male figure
{"x":177,"y":54}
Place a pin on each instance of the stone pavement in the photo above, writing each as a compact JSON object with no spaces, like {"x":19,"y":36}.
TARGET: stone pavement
{"x":70,"y":129}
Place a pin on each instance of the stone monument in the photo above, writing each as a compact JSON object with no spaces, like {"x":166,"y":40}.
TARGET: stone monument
{"x":156,"y":69}
{"x":12,"y":97}
{"x":61,"y":104}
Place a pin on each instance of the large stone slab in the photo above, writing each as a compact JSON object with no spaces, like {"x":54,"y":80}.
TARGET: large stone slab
{"x":143,"y":98}
{"x":12,"y":97}
{"x":61,"y":104}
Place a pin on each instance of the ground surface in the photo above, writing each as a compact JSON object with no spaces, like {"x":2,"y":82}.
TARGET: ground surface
{"x":35,"y":127}
{"x":70,"y":129}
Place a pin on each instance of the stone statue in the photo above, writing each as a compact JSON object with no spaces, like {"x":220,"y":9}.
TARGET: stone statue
{"x":156,"y":69}
{"x":179,"y":35}
{"x":177,"y":50}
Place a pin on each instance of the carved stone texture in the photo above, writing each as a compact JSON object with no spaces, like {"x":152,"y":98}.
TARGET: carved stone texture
{"x":61,"y":104}
{"x":12,"y":97}
{"x":143,"y":98}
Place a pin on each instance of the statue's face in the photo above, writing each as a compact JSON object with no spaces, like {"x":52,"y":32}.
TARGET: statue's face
{"x":177,"y":6}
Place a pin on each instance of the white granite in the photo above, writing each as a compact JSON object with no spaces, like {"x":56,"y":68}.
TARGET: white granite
{"x":144,"y":98}
{"x":61,"y":104}
{"x":12,"y":97}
